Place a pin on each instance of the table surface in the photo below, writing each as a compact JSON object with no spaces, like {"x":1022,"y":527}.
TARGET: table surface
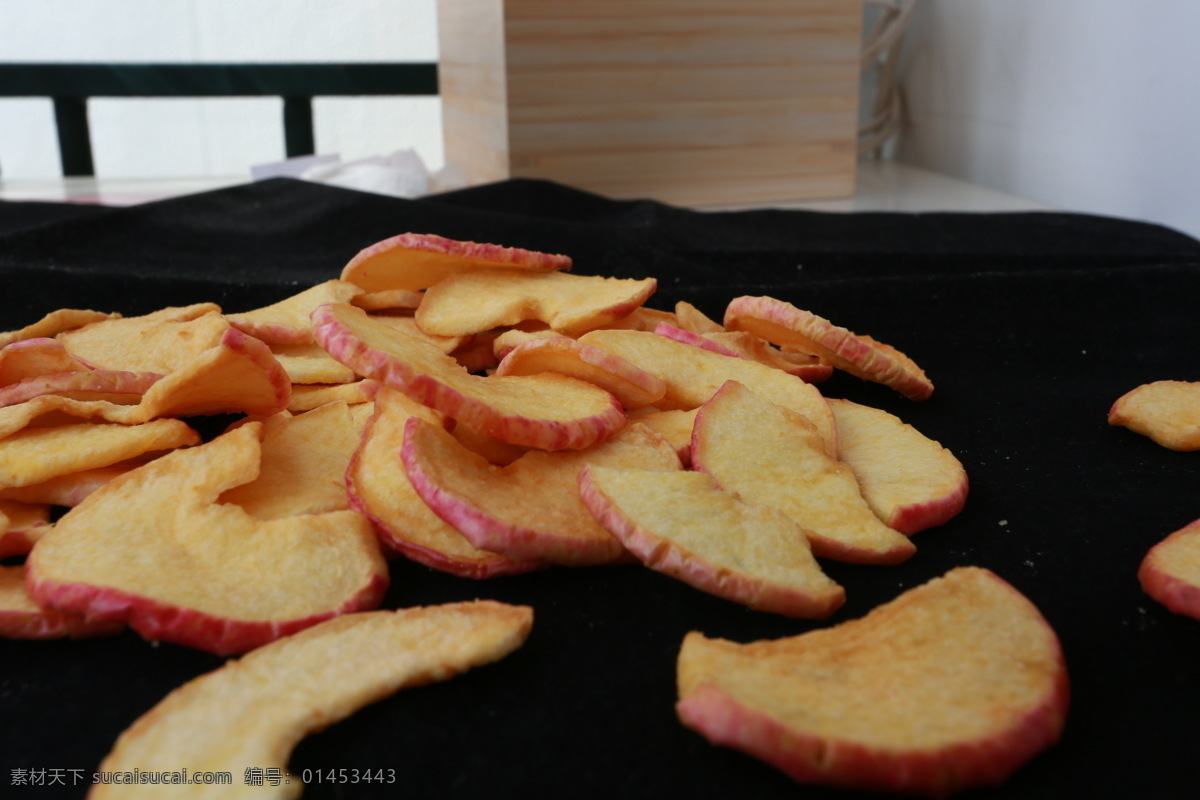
{"x":880,"y":186}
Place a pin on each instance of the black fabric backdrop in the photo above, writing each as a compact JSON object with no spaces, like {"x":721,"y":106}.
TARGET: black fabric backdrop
{"x":1030,"y":325}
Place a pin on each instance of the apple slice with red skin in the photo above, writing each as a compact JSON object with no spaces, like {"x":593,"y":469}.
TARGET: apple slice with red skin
{"x":1170,"y":572}
{"x":782,"y":323}
{"x":101,"y":384}
{"x":54,"y":323}
{"x":771,"y":455}
{"x":739,"y":344}
{"x":155,"y":549}
{"x":529,"y":509}
{"x":681,"y":524}
{"x":954,"y":684}
{"x":21,"y":618}
{"x":910,"y":481}
{"x":30,"y":358}
{"x":71,"y":488}
{"x":693,"y":374}
{"x":675,"y":426}
{"x":250,"y":713}
{"x":472,"y":302}
{"x":21,"y":524}
{"x":633,"y":387}
{"x":1168,"y":412}
{"x":416,"y":261}
{"x":548,"y":411}
{"x":379,"y":489}
{"x":288,"y":321}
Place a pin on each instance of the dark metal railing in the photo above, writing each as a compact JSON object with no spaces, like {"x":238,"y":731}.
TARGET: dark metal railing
{"x":70,"y":86}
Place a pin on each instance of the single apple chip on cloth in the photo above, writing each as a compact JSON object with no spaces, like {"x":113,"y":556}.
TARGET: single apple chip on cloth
{"x":379,"y":489}
{"x":633,"y":387}
{"x":531,"y":508}
{"x":771,"y":455}
{"x":416,"y":261}
{"x":681,"y":524}
{"x":783,"y":324}
{"x":1170,"y":572}
{"x":21,"y":618}
{"x":287,"y":322}
{"x":472,"y":302}
{"x":304,"y":460}
{"x":548,"y":411}
{"x":34,"y":455}
{"x":1166,"y":411}
{"x":253,"y":711}
{"x":952,"y":685}
{"x":54,"y":323}
{"x":693,"y":375}
{"x":155,"y":548}
{"x":910,"y":481}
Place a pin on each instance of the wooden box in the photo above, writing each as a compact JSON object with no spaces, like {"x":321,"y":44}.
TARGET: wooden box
{"x":693,"y":102}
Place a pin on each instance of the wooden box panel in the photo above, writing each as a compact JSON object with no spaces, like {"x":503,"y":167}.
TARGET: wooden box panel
{"x":688,"y":101}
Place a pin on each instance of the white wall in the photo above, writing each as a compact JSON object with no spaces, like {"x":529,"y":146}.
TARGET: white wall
{"x":1086,"y":105}
{"x":143,"y":138}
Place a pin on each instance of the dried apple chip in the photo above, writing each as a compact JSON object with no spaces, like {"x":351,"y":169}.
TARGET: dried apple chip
{"x":471,"y":302}
{"x":155,"y":548}
{"x":416,"y":261}
{"x":380,"y":489}
{"x":101,"y":384}
{"x":783,"y":324}
{"x":162,"y":341}
{"x":771,"y":455}
{"x":529,"y":509}
{"x":70,"y":489}
{"x":309,"y":396}
{"x":21,"y":618}
{"x":251,"y":712}
{"x":388,"y":300}
{"x":309,"y":364}
{"x":1166,"y":411}
{"x":21,"y":524}
{"x":30,"y":358}
{"x":693,"y":374}
{"x":34,"y":455}
{"x":304,"y":460}
{"x":675,"y":426}
{"x":740,"y":344}
{"x":1170,"y":572}
{"x":910,"y":481}
{"x":954,"y":684}
{"x":681,"y":524}
{"x":54,"y":323}
{"x":548,"y":411}
{"x":693,"y":319}
{"x":633,"y":387}
{"x":287,"y":322}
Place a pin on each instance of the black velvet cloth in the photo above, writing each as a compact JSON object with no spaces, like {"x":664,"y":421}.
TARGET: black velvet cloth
{"x":1029,"y":324}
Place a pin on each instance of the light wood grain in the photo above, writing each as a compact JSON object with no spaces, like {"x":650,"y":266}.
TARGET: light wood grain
{"x":687,"y":101}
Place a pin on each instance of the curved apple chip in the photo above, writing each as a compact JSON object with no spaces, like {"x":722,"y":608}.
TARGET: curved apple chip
{"x":31,"y":358}
{"x":531,"y":508}
{"x":251,"y":712}
{"x":102,"y":384}
{"x":910,"y":481}
{"x":953,"y":684}
{"x":416,"y":261}
{"x":288,"y":321}
{"x":693,"y":375}
{"x":633,"y":387}
{"x":1168,"y":412}
{"x":771,"y":455}
{"x":1170,"y":572}
{"x":549,"y":411}
{"x":309,"y":364}
{"x":34,"y":455}
{"x":21,"y":524}
{"x":304,"y":461}
{"x":783,"y":324}
{"x":379,"y":488}
{"x":22,"y":618}
{"x":388,"y":300}
{"x":690,"y":318}
{"x":156,"y":549}
{"x":681,"y":524}
{"x":162,"y":341}
{"x":54,"y":323}
{"x":740,"y":344}
{"x":310,"y":396}
{"x":71,"y":488}
{"x":472,"y":302}
{"x":675,"y":426}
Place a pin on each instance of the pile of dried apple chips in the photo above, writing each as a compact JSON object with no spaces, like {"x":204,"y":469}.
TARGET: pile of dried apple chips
{"x":484,"y":411}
